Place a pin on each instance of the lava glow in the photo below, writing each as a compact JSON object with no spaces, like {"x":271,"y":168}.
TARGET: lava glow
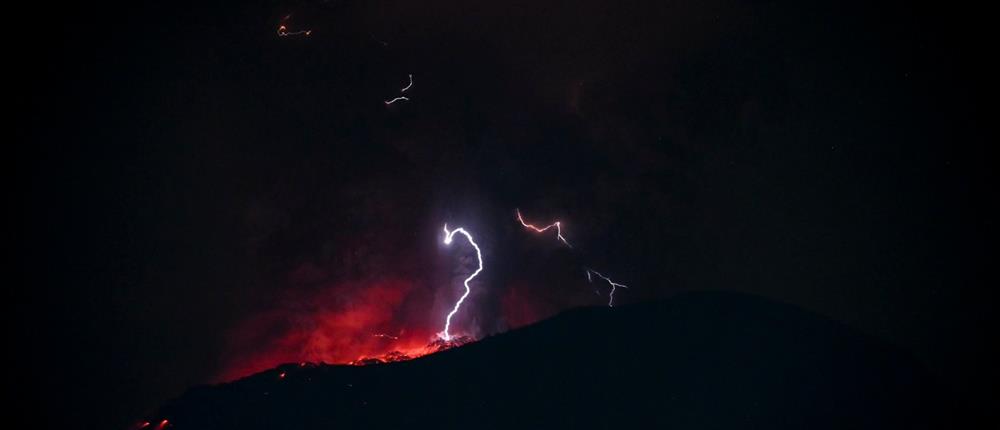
{"x":323,"y":318}
{"x":614,"y":285}
{"x":332,"y":321}
{"x":556,"y":224}
{"x":448,"y":235}
{"x":409,"y":353}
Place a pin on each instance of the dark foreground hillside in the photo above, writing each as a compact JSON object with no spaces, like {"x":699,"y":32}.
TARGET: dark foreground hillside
{"x":700,"y":360}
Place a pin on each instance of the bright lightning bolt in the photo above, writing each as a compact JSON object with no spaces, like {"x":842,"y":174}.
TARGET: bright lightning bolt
{"x":590,"y":273}
{"x":408,"y":86}
{"x":389,"y":102}
{"x":614,"y":285}
{"x":556,"y":224}
{"x":448,"y":235}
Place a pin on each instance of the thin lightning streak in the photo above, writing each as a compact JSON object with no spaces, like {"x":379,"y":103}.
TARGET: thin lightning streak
{"x":556,"y":224}
{"x":408,"y":86}
{"x":283,"y":32}
{"x":389,"y":102}
{"x":614,"y":285}
{"x":448,"y":235}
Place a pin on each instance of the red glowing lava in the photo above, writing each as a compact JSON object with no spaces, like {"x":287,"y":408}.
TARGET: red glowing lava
{"x":322,"y":315}
{"x":340,"y":323}
{"x":437,"y":345}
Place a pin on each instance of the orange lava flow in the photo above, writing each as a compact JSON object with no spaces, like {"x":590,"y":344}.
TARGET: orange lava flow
{"x":411,"y":353}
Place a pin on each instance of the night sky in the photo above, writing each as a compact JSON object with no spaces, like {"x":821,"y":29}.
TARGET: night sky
{"x":198,"y":198}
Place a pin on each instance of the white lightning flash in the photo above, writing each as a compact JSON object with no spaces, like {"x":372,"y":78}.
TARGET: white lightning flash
{"x":556,"y":224}
{"x":614,"y":285}
{"x":448,"y":235}
{"x":408,"y":86}
{"x":389,"y":102}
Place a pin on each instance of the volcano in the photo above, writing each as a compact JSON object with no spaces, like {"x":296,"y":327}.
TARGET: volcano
{"x":698,"y":360}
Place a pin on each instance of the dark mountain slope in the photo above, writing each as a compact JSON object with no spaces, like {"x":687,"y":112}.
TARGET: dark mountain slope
{"x":700,"y":360}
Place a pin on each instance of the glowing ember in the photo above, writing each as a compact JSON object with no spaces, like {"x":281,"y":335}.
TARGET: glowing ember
{"x":283,"y":32}
{"x":442,"y":344}
{"x":556,"y":224}
{"x":437,"y":345}
{"x":389,"y":357}
{"x":448,"y":235}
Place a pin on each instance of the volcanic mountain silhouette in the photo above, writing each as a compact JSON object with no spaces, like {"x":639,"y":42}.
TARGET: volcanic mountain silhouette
{"x":698,"y":360}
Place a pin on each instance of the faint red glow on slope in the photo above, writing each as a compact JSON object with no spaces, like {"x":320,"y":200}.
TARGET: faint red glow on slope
{"x":333,"y":324}
{"x":318,"y":318}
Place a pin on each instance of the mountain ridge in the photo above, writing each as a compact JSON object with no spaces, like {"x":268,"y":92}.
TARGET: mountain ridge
{"x":696,"y":360}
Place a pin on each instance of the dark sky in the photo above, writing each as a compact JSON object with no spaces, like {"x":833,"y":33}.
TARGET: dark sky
{"x":182,"y":171}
